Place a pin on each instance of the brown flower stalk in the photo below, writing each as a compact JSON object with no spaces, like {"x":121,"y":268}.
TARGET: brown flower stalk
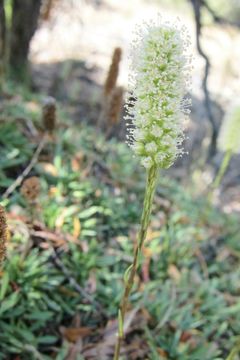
{"x":47,"y":8}
{"x":113,"y":71}
{"x":115,"y":105}
{"x":30,"y":189}
{"x":49,"y":114}
{"x":3,"y":234}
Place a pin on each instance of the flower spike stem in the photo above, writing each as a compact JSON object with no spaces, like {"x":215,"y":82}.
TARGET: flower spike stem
{"x":223,"y":168}
{"x":234,"y":352}
{"x":131,"y":271}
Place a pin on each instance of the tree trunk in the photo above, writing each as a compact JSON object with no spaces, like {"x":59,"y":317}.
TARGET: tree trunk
{"x":197,"y":8}
{"x":24,"y":24}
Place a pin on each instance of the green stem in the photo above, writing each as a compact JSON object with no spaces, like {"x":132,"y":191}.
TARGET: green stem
{"x":233,"y":353}
{"x":222,"y":169}
{"x":131,"y":271}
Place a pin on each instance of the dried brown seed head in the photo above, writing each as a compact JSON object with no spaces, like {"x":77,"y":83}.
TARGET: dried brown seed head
{"x":31,"y":188}
{"x":47,"y":8}
{"x":49,"y":114}
{"x":3,"y":234}
{"x":115,"y":105}
{"x":112,"y":75}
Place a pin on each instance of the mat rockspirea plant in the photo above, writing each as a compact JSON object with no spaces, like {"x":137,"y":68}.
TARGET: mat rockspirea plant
{"x":158,"y":81}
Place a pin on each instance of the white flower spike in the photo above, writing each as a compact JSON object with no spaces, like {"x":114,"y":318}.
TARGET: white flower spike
{"x":158,"y":82}
{"x":229,"y":136}
{"x":159,"y":78}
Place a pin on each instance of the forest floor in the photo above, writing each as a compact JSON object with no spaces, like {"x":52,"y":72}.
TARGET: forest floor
{"x":63,"y":277}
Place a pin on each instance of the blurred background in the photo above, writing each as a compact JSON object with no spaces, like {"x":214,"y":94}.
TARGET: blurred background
{"x":70,"y":43}
{"x":72,"y":231}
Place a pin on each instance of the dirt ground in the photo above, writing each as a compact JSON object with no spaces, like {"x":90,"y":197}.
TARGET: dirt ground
{"x":71,"y":52}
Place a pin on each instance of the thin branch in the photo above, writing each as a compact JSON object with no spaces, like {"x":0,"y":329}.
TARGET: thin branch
{"x":217,"y":18}
{"x":197,"y":13}
{"x":27,"y":170}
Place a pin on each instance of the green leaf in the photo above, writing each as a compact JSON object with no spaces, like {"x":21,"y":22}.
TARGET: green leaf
{"x":40,"y":315}
{"x":5,"y":282}
{"x":48,"y":339}
{"x":9,"y":303}
{"x":89,"y":212}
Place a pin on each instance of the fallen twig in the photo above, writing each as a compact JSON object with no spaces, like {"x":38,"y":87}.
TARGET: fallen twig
{"x":27,"y":170}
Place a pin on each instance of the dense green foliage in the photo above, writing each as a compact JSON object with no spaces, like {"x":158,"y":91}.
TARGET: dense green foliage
{"x":92,"y":191}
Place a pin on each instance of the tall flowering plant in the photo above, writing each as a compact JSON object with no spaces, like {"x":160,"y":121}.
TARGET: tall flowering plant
{"x":159,"y":77}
